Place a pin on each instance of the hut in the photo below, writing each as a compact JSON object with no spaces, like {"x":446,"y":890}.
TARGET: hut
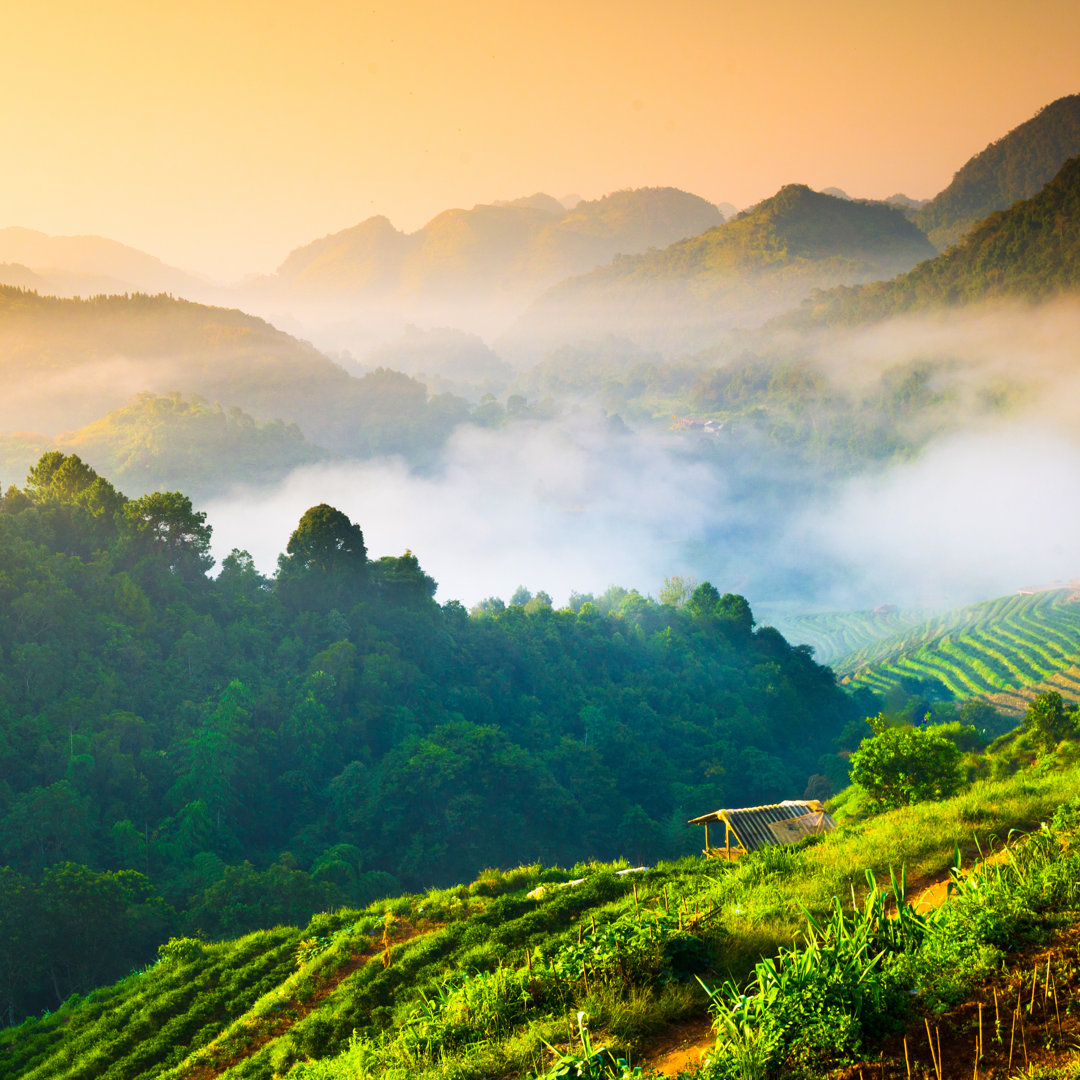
{"x":755,"y":827}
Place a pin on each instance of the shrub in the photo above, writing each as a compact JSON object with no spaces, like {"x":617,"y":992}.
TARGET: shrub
{"x":901,"y":765}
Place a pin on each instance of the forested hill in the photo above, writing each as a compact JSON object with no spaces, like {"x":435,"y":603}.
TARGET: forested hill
{"x":1030,"y":251}
{"x":739,"y":273}
{"x":65,"y":363}
{"x":1014,"y":167}
{"x":181,"y":753}
{"x":166,"y":441}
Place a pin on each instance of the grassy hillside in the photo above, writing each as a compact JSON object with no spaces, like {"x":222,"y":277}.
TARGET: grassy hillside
{"x":1029,"y":252}
{"x":530,"y":972}
{"x":1006,"y":649}
{"x":1014,"y":167}
{"x":836,"y":635}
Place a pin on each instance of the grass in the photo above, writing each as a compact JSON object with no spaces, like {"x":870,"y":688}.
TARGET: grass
{"x":488,"y":979}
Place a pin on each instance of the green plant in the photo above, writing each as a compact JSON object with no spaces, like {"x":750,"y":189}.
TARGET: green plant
{"x":591,"y":1063}
{"x":901,"y":765}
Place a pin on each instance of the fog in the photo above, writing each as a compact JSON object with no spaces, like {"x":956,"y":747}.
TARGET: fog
{"x":989,"y":505}
{"x":979,"y":515}
{"x":557,"y":506}
{"x":561,"y":507}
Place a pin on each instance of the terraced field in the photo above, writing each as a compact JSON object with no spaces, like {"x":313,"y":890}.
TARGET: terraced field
{"x":1006,"y":650}
{"x":836,"y":635}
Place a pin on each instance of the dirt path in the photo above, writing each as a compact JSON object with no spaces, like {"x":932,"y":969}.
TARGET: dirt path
{"x":926,"y":894}
{"x":680,"y":1047}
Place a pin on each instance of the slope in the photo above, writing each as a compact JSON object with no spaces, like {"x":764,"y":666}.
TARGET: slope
{"x":89,"y":265}
{"x":66,"y":362}
{"x":1014,"y":167}
{"x":1029,"y":252}
{"x":1006,"y":649}
{"x":486,"y":979}
{"x":836,"y":635}
{"x":739,"y":273}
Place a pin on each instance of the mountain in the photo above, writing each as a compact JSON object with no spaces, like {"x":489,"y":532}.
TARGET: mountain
{"x":1029,"y":252}
{"x":512,"y":247}
{"x":64,"y":363}
{"x":738,"y":273}
{"x":1015,"y":167}
{"x":167,"y":442}
{"x":88,"y":266}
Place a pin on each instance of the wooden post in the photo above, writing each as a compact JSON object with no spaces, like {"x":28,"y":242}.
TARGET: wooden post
{"x":706,"y":838}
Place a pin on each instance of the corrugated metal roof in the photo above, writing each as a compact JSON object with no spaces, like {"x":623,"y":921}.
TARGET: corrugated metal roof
{"x":752,"y":824}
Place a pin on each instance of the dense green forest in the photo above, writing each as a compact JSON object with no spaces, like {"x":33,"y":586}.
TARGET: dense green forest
{"x":1013,"y":167}
{"x":1029,"y":252}
{"x":182,"y":752}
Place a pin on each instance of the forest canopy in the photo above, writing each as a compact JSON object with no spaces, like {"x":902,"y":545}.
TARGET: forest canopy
{"x":209,"y":755}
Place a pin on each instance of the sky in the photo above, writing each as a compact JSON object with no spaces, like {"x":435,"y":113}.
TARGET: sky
{"x":220,"y":135}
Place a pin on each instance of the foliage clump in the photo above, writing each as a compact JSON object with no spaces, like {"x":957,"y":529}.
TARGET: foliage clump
{"x":902,"y":765}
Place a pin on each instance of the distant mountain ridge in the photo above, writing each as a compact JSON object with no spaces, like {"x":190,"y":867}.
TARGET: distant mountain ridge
{"x":65,"y":363}
{"x":1013,"y":167}
{"x":739,"y":273}
{"x":1029,"y":252}
{"x":87,"y":266}
{"x":525,"y":244}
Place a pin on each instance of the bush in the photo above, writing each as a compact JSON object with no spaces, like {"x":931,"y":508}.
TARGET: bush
{"x":901,"y":765}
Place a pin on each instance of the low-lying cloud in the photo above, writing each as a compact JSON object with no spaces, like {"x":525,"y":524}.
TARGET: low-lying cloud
{"x":978,"y":515}
{"x":990,"y":506}
{"x":558,"y":506}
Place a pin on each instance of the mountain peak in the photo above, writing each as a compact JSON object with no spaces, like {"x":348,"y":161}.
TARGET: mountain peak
{"x":1014,"y":167}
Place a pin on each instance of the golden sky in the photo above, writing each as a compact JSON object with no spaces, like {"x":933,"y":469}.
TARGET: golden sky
{"x":219,"y":135}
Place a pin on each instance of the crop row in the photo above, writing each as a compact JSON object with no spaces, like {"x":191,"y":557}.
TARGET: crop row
{"x":1002,"y":646}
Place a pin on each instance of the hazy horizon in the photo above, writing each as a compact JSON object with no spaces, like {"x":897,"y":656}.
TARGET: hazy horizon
{"x":219,"y":139}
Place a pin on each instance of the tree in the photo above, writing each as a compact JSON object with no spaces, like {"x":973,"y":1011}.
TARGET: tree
{"x":677,"y":590}
{"x":166,"y":522}
{"x":82,"y":506}
{"x":901,"y":765}
{"x":326,"y":560}
{"x":326,"y":540}
{"x":1049,"y":720}
{"x":734,"y":610}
